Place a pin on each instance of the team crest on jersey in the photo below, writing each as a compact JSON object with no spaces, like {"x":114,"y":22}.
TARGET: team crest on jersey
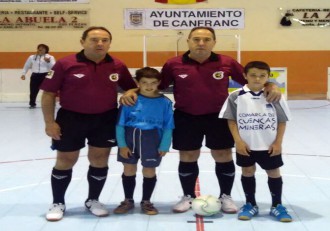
{"x":114,"y":77}
{"x":183,"y":76}
{"x":218,"y":75}
{"x":50,"y":74}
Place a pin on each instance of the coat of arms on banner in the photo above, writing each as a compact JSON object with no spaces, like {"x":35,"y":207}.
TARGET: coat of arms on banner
{"x":136,"y":18}
{"x":180,"y":1}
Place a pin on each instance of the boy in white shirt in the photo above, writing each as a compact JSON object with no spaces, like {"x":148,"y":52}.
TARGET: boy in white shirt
{"x":258,"y":129}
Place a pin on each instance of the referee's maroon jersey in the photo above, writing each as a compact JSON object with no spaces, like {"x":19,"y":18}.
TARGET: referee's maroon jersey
{"x":201,"y":88}
{"x":87,"y":87}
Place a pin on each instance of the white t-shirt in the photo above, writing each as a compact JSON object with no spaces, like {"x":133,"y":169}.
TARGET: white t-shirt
{"x":256,"y":118}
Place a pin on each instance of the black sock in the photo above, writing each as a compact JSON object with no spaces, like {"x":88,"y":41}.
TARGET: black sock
{"x":129,"y":183}
{"x":275,"y":186}
{"x":249,"y":188}
{"x":60,"y":181}
{"x":226,"y":175}
{"x":148,"y":187}
{"x":96,"y":178}
{"x":188,"y":173}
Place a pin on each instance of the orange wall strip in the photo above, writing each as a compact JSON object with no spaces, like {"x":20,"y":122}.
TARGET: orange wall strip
{"x":307,"y":70}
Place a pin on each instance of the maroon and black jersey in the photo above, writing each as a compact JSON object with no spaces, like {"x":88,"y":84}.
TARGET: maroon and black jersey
{"x":88,"y":87}
{"x":200,"y":88}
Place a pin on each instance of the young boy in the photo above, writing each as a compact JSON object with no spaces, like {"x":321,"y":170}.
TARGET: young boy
{"x":257,"y":128}
{"x":144,"y":131}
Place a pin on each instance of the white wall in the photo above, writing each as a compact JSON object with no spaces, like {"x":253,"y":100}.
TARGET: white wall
{"x":12,"y":88}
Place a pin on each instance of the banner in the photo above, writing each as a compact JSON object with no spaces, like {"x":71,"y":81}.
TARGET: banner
{"x":180,"y":1}
{"x":305,"y":17}
{"x":183,"y":18}
{"x":44,"y":1}
{"x":40,"y":19}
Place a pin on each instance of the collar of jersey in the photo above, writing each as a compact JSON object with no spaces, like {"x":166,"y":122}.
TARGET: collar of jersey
{"x":82,"y":58}
{"x":246,"y":89}
{"x":185,"y":58}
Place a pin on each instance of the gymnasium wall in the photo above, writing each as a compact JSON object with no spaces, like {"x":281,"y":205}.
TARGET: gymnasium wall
{"x":304,"y":51}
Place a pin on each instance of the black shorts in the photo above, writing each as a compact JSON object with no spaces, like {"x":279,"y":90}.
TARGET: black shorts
{"x":144,"y":145}
{"x":98,"y":129}
{"x":262,"y":158}
{"x":190,"y":130}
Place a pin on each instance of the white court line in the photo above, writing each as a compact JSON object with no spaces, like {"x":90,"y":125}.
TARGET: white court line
{"x":47,"y":182}
{"x":115,"y":154}
{"x":20,"y":187}
{"x":117,"y":174}
{"x":263,"y":173}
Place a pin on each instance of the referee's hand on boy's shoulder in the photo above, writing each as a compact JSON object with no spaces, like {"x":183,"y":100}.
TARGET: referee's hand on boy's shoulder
{"x":272,"y":92}
{"x":129,"y":97}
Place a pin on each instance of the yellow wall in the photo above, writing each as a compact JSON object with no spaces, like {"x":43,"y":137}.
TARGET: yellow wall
{"x":305,"y":51}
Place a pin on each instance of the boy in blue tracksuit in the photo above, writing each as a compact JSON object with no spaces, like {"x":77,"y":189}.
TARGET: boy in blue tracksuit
{"x":144,"y":131}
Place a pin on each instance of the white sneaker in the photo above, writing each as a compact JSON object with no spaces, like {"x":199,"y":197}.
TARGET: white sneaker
{"x":183,"y":205}
{"x":227,"y":204}
{"x":96,"y":208}
{"x":55,"y":212}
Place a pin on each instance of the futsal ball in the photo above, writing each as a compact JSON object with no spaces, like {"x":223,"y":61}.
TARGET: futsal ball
{"x":206,"y":205}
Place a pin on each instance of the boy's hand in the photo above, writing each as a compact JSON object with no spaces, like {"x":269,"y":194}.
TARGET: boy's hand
{"x":162,"y":153}
{"x":275,"y":149}
{"x":242,"y":148}
{"x":125,"y":152}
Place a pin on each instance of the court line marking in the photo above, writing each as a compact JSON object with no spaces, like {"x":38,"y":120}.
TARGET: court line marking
{"x":114,"y":154}
{"x":174,"y":172}
{"x":199,"y":219}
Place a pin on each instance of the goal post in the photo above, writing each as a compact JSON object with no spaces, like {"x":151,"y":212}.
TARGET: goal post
{"x":159,"y":48}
